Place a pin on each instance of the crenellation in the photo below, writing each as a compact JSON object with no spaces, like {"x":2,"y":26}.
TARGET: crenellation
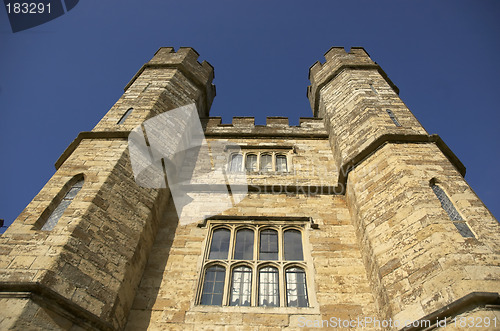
{"x":276,"y":121}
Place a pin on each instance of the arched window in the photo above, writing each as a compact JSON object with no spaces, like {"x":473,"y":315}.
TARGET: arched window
{"x":251,"y":162}
{"x":237,"y":271}
{"x":296,"y":289}
{"x":61,"y":207}
{"x":241,"y":289}
{"x":452,"y":212}
{"x":244,"y":245}
{"x":266,"y":162}
{"x":293,"y":245}
{"x":393,"y":117}
{"x":235,"y":163}
{"x":269,"y":287}
{"x":220,"y":244}
{"x":268,"y":245}
{"x":281,"y":163}
{"x":124,"y":117}
{"x":213,"y":286}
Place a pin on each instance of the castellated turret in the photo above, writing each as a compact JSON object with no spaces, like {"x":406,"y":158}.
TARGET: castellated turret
{"x":356,"y":218}
{"x":427,"y":239}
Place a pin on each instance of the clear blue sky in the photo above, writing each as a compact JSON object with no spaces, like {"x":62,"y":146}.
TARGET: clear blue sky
{"x":61,"y":77}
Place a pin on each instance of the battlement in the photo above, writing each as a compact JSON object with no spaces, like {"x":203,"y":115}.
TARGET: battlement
{"x":337,"y":60}
{"x":186,"y":61}
{"x":185,"y":56}
{"x":309,"y":126}
{"x":337,"y":56}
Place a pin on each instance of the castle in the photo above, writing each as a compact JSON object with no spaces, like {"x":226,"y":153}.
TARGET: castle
{"x":356,"y":218}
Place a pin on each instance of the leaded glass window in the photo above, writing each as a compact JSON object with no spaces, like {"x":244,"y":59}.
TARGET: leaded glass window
{"x":281,"y":163}
{"x":220,"y":244}
{"x":236,"y":162}
{"x":268,"y":245}
{"x":296,"y":289}
{"x":455,"y":217}
{"x":62,"y":206}
{"x":268,"y":287}
{"x":244,"y":245}
{"x":266,"y":162}
{"x":251,"y":162}
{"x":293,"y":245}
{"x":237,"y":268}
{"x":213,"y":286}
{"x":241,"y":289}
{"x":124,"y":117}
{"x":393,"y":117}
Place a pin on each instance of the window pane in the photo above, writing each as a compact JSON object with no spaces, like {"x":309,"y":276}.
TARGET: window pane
{"x":446,"y":203}
{"x":244,"y":245}
{"x":241,"y":290}
{"x":251,"y":162}
{"x":293,"y":245}
{"x":281,"y":163}
{"x":235,"y":165}
{"x":296,"y":291}
{"x":464,"y":229}
{"x":61,"y":207}
{"x":393,"y":117}
{"x":268,"y":287}
{"x":124,"y":117}
{"x":266,"y":162}
{"x":213,"y":287}
{"x":268,"y":245}
{"x":220,"y":244}
{"x":73,"y":191}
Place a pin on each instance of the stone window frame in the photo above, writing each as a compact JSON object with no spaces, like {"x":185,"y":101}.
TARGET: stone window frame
{"x":256,"y":265}
{"x":451,"y":210}
{"x":275,"y":152}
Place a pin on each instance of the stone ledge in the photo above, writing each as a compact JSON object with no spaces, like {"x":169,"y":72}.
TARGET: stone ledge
{"x":89,"y":135}
{"x":48,"y":298}
{"x":396,"y":139}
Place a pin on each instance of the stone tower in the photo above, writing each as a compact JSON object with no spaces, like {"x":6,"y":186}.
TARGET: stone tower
{"x":355,"y":216}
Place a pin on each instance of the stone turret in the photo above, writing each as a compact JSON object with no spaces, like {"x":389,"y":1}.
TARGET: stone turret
{"x":81,"y":266}
{"x":419,"y":258}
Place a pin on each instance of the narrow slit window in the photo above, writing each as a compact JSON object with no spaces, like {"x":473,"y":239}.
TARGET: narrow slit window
{"x":268,"y":287}
{"x":241,"y":289}
{"x":235,"y":164}
{"x":213,"y":286}
{"x":251,"y":162}
{"x":61,"y":207}
{"x":296,"y":289}
{"x":293,"y":245}
{"x":393,"y":117}
{"x":281,"y":163}
{"x":220,"y":244}
{"x":373,"y":89}
{"x":124,"y":117}
{"x":455,"y":217}
{"x":244,"y":245}
{"x":266,"y":162}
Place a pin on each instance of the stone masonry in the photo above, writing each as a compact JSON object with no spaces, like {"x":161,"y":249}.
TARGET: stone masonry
{"x":377,"y":243}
